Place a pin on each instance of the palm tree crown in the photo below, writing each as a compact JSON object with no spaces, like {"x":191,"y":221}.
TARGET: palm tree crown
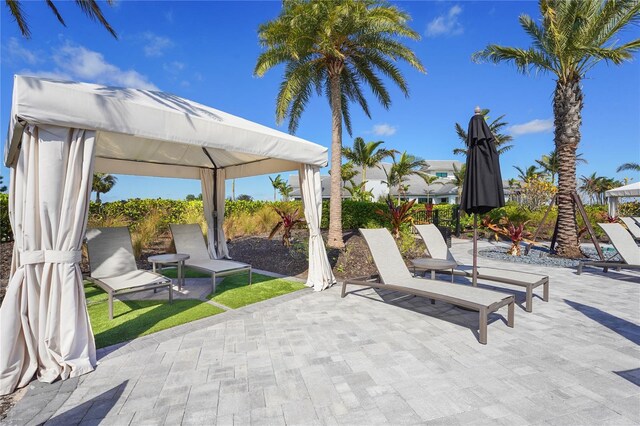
{"x":335,"y":48}
{"x":549,"y":164}
{"x":89,"y":7}
{"x":635,"y":167}
{"x":403,"y":167}
{"x":572,"y":37}
{"x":102,"y":183}
{"x":366,"y":154}
{"x":495,"y":126}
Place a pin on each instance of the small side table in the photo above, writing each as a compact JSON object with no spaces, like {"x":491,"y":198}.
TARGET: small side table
{"x":433,"y":265}
{"x":171,"y":259}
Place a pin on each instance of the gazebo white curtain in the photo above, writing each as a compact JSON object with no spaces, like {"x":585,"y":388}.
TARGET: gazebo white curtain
{"x":214,"y":221}
{"x":206,"y":180}
{"x":320,"y":275}
{"x":44,"y":321}
{"x":223,"y":250}
{"x":614,"y":195}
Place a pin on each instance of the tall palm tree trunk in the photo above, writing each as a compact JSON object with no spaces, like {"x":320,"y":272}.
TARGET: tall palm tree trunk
{"x":335,"y":204}
{"x":567,"y":109}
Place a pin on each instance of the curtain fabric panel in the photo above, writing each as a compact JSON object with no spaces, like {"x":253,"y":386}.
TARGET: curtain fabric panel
{"x":206,"y":180}
{"x":320,"y":275}
{"x":44,"y":321}
{"x":223,"y":250}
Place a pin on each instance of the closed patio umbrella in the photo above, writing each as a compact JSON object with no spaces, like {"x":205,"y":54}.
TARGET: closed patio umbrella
{"x":482,"y":189}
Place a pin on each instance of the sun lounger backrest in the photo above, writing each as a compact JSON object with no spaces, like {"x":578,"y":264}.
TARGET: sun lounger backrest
{"x":436,"y":245}
{"x":632,"y":226}
{"x":386,"y":255}
{"x":189,"y":240}
{"x":623,"y":242}
{"x":110,"y":252}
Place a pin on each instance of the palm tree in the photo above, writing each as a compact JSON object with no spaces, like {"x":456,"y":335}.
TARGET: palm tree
{"x":635,"y":167}
{"x":573,"y":37}
{"x":458,"y":178}
{"x":495,"y":126}
{"x":407,"y":165}
{"x":3,"y":188}
{"x":366,"y":155}
{"x":285,"y":191}
{"x":530,"y":173}
{"x":89,"y":7}
{"x":335,"y":47}
{"x":347,"y":172}
{"x":549,"y":164}
{"x":428,"y":180}
{"x":277,"y":183}
{"x":102,"y":183}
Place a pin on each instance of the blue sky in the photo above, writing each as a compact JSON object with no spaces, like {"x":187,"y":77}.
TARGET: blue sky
{"x":206,"y":51}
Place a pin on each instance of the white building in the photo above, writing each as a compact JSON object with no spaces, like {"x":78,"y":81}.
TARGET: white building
{"x":441,"y":191}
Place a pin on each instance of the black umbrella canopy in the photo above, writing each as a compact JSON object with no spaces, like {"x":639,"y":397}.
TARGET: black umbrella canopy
{"x":482,"y":189}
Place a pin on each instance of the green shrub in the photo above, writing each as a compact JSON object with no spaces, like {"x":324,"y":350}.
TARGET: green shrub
{"x":356,"y":214}
{"x":5,"y":225}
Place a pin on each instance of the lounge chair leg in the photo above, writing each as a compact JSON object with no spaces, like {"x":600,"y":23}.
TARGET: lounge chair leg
{"x":110,"y":306}
{"x":213,"y":283}
{"x":511,"y":314}
{"x":483,"y":325}
{"x":250,"y":276}
{"x":529,"y":305}
{"x":344,"y":289}
{"x":433,"y":274}
{"x":170,"y":292}
{"x":545,"y":291}
{"x":579,"y":268}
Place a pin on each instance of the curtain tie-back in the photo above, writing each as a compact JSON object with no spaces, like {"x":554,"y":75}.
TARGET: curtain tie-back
{"x":32,"y":257}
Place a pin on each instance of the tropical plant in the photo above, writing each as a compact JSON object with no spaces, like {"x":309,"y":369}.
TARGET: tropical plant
{"x":403,"y":167}
{"x":285,"y":191}
{"x":529,"y":173}
{"x":336,"y":48}
{"x":191,"y":197}
{"x":277,"y":183}
{"x":347,"y":172}
{"x":428,"y":180}
{"x":397,"y":215}
{"x":595,"y":186}
{"x":89,"y":7}
{"x":549,"y":164}
{"x":102,"y":183}
{"x":287,"y":221}
{"x":573,"y":37}
{"x":534,"y":192}
{"x":501,"y":140}
{"x":516,"y":232}
{"x":244,"y":197}
{"x":3,"y":188}
{"x":458,"y":178}
{"x":634,"y":167}
{"x":358,"y":192}
{"x":366,"y":155}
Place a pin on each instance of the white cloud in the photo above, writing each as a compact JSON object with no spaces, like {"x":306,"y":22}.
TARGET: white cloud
{"x":384,"y":129}
{"x":78,"y":62}
{"x":174,"y":67}
{"x":168,"y":15}
{"x":155,"y":44}
{"x":447,"y":24}
{"x":16,"y":53}
{"x":533,"y":126}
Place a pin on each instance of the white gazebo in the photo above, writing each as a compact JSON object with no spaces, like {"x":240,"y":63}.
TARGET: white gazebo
{"x":60,"y":132}
{"x":613,"y":195}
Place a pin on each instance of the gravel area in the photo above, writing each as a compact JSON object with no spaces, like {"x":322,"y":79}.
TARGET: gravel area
{"x":541,"y":256}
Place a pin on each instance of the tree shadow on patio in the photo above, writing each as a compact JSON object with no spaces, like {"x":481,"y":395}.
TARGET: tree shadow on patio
{"x":91,"y":411}
{"x":621,"y":326}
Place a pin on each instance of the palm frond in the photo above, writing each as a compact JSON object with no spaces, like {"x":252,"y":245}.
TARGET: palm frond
{"x":92,"y":10}
{"x":54,"y":9}
{"x":15,"y":8}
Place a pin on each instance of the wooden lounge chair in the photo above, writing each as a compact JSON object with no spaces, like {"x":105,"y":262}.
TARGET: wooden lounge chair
{"x":188,"y":239}
{"x":625,"y":246}
{"x":438,"y":249}
{"x":632,"y":227}
{"x":113,"y":265}
{"x":394,"y":275}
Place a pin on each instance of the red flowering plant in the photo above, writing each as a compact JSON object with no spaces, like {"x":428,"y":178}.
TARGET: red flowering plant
{"x":287,"y":221}
{"x":397,"y":215}
{"x":516,"y":232}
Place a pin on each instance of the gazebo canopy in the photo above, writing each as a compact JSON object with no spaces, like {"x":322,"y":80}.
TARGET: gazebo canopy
{"x":631,"y":190}
{"x":152,"y":133}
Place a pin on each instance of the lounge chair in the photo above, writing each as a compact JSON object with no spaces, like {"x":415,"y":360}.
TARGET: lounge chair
{"x":437,"y":248}
{"x":632,"y":226}
{"x":188,"y":239}
{"x":113,"y":266}
{"x":394,"y":275}
{"x":625,"y":246}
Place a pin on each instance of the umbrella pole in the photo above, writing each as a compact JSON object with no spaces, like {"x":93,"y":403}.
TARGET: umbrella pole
{"x":474,"y":280}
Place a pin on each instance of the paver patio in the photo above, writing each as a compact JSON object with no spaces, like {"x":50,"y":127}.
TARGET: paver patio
{"x":314,"y":358}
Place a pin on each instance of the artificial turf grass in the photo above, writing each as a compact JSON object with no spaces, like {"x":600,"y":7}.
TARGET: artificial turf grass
{"x":234,"y":291}
{"x":172,"y":272}
{"x":137,"y":318}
